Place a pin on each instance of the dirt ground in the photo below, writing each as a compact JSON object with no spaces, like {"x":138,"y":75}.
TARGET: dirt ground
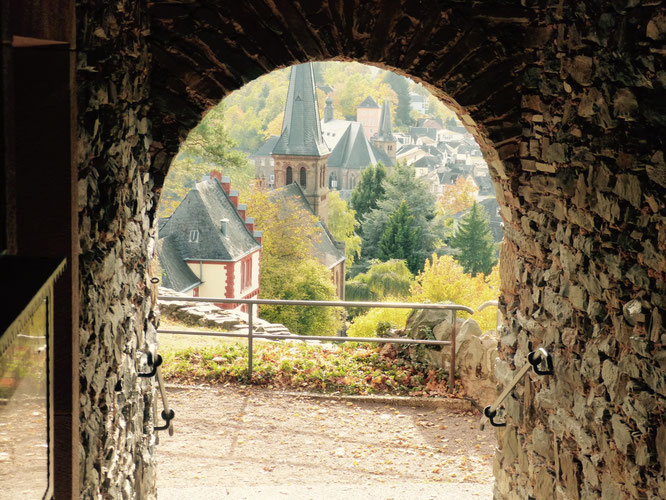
{"x":237,"y":442}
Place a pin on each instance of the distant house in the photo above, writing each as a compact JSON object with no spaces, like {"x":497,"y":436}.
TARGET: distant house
{"x":368,"y":114}
{"x":208,"y":247}
{"x":418,"y":103}
{"x":264,"y":165}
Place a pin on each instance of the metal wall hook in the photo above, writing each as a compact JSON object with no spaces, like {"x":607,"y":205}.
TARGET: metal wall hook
{"x":539,"y":356}
{"x":491,"y":414}
{"x":534,"y":358}
{"x":167,"y":417}
{"x":153,"y":365}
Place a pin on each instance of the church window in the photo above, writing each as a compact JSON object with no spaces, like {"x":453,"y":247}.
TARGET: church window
{"x":303,"y":177}
{"x":290,"y":176}
{"x":194,"y":236}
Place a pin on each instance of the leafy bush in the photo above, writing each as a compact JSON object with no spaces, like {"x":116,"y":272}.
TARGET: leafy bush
{"x":367,"y":324}
{"x":443,"y":279}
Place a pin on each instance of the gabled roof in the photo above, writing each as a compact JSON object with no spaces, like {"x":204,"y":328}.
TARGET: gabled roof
{"x":368,"y":102}
{"x":352,"y":150}
{"x":177,"y":275}
{"x":267,"y":147}
{"x":385,"y":132}
{"x":428,"y":162}
{"x":301,"y":132}
{"x":202,"y":210}
{"x":326,"y":250}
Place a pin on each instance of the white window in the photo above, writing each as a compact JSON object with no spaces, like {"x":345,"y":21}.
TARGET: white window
{"x":194,"y":236}
{"x":272,"y":178}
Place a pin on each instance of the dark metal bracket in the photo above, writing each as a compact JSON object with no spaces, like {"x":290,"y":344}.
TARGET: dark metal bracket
{"x":535,"y":358}
{"x":167,"y":417}
{"x":491,"y":414}
{"x":153,"y":366}
{"x":539,"y":356}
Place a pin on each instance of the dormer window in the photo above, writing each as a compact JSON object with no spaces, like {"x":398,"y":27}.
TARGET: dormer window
{"x":194,"y":236}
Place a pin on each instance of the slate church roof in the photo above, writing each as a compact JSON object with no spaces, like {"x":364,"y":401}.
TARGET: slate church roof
{"x":301,"y":130}
{"x":385,"y":132}
{"x":350,"y":148}
{"x":202,"y":211}
{"x":326,"y":250}
{"x":368,"y":102}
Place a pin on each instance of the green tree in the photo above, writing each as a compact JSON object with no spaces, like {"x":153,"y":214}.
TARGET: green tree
{"x":400,"y":86}
{"x":369,"y":190}
{"x":391,"y":278}
{"x":401,"y":239}
{"x":289,"y":269}
{"x":401,"y":185}
{"x":343,"y":224}
{"x":208,"y":147}
{"x":474,"y":242}
{"x":306,"y":280}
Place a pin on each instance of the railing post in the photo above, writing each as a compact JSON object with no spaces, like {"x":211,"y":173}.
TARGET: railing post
{"x":452,"y":372}
{"x":250,"y":313}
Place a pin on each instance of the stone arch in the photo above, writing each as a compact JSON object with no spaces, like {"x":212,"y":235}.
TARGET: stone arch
{"x":539,"y":87}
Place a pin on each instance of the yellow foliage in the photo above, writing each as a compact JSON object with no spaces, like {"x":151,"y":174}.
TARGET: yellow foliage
{"x":457,"y":197}
{"x":366,"y":325}
{"x":443,"y":280}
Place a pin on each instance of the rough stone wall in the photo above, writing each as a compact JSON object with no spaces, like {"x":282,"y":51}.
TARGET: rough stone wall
{"x":565,"y":99}
{"x":585,"y":263}
{"x":115,"y":217}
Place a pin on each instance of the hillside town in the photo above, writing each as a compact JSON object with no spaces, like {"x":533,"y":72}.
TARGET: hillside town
{"x":209,"y":245}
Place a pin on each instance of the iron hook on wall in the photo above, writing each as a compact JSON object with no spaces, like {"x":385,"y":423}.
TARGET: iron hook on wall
{"x":167,"y":416}
{"x":535,"y":359}
{"x":153,"y":365}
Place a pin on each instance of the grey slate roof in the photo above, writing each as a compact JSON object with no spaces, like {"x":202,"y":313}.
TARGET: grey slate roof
{"x":429,"y":162}
{"x":176,"y":274}
{"x":201,"y":210}
{"x":267,"y":147}
{"x":368,"y":102}
{"x":301,"y":132}
{"x":385,"y":132}
{"x":326,"y":250}
{"x":350,"y":148}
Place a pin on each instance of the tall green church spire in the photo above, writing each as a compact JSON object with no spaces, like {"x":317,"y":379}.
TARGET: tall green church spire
{"x":301,"y":128}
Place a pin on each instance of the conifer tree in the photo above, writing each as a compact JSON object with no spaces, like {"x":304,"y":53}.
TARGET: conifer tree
{"x":475,"y":243}
{"x":401,"y":239}
{"x":369,"y":190}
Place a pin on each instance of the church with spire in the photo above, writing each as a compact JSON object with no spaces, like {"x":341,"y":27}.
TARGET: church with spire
{"x":319,"y":155}
{"x":300,"y":154}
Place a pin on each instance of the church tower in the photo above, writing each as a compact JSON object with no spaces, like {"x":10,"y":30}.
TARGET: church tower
{"x":384,"y":138}
{"x":300,"y":154}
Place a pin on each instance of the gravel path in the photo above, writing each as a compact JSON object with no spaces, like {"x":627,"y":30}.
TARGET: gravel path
{"x":254,"y":443}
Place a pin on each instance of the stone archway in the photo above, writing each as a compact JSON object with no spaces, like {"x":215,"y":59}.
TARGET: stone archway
{"x":566,"y":100}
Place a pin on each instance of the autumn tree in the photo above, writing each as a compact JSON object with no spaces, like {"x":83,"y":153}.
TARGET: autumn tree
{"x":343,"y":224}
{"x":289,"y":269}
{"x":369,"y":190}
{"x":401,"y":239}
{"x":474,"y":242}
{"x":457,"y":197}
{"x":443,"y":279}
{"x":207,"y":147}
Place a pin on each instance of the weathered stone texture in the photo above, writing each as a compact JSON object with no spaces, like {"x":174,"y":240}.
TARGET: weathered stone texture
{"x":566,"y":100}
{"x":115,"y":215}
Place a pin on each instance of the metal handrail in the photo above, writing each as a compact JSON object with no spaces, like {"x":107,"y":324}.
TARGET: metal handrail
{"x":534,"y":358}
{"x":323,"y":303}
